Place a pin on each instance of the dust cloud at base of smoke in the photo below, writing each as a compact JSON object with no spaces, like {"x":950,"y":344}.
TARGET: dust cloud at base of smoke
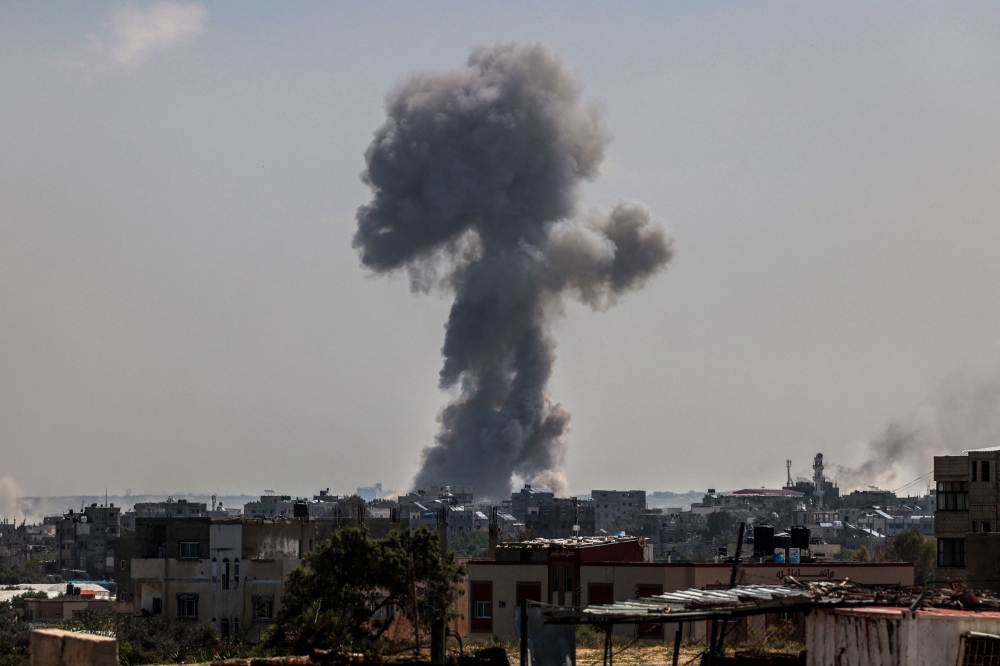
{"x":960,"y":414}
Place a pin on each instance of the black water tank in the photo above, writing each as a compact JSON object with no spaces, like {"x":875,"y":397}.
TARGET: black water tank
{"x":800,"y":537}
{"x":300,"y":510}
{"x":763,"y":540}
{"x":782,"y":540}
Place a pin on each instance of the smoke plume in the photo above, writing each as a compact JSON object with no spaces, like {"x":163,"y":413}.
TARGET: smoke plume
{"x":475,"y":177}
{"x":10,"y":495}
{"x":962,"y":413}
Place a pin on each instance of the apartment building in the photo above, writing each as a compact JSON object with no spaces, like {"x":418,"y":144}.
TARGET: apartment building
{"x":617,"y":509}
{"x":226,"y":573}
{"x":86,"y":541}
{"x":966,"y":519}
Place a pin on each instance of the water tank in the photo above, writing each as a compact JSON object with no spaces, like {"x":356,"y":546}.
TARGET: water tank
{"x":763,"y":540}
{"x":783,"y":541}
{"x":800,"y":537}
{"x":300,"y":510}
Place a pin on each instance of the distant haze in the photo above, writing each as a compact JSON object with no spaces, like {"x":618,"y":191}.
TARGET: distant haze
{"x":182,"y":306}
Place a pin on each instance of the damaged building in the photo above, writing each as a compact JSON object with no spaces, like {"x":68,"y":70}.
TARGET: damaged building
{"x":226,"y":573}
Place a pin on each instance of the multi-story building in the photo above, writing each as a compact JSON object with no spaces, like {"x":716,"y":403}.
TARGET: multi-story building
{"x":617,"y":509}
{"x":966,"y":519}
{"x":748,"y":501}
{"x":226,"y":573}
{"x":528,"y":497}
{"x":86,"y":541}
{"x":556,"y":518}
{"x":170,"y":508}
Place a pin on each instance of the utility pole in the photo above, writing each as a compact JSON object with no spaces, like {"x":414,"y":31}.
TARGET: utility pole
{"x":439,"y":630}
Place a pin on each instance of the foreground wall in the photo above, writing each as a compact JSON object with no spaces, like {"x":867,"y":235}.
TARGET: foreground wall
{"x":891,"y":636}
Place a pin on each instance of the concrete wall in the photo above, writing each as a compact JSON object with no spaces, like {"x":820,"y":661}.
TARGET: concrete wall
{"x":55,"y":647}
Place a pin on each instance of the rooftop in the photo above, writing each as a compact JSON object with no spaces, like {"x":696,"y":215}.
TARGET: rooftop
{"x":572,"y":542}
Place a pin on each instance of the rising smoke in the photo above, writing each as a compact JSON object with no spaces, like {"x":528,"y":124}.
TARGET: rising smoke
{"x":962,"y":413}
{"x":475,"y":177}
{"x":10,"y":498}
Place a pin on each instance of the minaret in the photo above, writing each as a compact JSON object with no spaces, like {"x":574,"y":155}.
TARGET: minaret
{"x":818,"y":479}
{"x":788,"y":468}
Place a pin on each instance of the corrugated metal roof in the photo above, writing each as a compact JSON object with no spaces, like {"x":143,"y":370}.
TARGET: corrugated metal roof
{"x":696,"y":599}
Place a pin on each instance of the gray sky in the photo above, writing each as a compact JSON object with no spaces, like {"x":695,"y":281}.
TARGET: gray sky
{"x":182,"y":309}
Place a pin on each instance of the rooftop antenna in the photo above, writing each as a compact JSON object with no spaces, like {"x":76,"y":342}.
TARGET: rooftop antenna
{"x":788,"y":468}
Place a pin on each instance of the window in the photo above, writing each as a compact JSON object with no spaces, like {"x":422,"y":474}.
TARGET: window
{"x":985,"y":474}
{"x":215,"y":573}
{"x":225,"y":574}
{"x":122,"y":565}
{"x":236,"y":573}
{"x":502,"y":604}
{"x":975,"y":467}
{"x":973,"y":530}
{"x":484,"y":610}
{"x":979,"y":650}
{"x":263,"y":607}
{"x":569,"y":579}
{"x":555,"y":578}
{"x":187,"y":606}
{"x":224,"y":627}
{"x":236,"y":627}
{"x":986,"y":526}
{"x":188,"y":550}
{"x":952,"y":496}
{"x":951,"y":552}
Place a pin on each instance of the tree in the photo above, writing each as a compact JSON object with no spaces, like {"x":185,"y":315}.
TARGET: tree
{"x":912,"y":546}
{"x":720,"y":523}
{"x":351,"y":507}
{"x":344,"y":585}
{"x":771,"y":519}
{"x":861,"y":554}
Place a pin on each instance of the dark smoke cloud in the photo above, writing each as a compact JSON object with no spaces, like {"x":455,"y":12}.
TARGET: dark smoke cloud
{"x":475,"y":177}
{"x":962,"y":413}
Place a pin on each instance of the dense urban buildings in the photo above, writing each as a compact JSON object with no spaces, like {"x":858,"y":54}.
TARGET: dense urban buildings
{"x":189,"y":560}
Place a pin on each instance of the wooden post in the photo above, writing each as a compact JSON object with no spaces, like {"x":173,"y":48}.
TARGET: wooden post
{"x":677,"y":643}
{"x":711,"y":643}
{"x":416,"y":608}
{"x":739,"y":551}
{"x":524,"y":632}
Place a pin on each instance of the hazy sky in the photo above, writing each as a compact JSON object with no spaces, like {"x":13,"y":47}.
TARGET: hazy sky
{"x":181,"y":308}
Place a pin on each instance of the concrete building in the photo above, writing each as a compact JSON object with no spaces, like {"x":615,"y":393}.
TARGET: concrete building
{"x":595,"y":571}
{"x":966,"y":518}
{"x":526,"y":498}
{"x":86,"y":541}
{"x":172,"y":508}
{"x":616,"y":510}
{"x":748,"y":501}
{"x":226,"y":573}
{"x":70,"y":606}
{"x":368,"y":493}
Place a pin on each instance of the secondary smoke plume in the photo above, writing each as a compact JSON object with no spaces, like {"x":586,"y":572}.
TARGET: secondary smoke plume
{"x":962,"y":413}
{"x":475,"y":176}
{"x":10,"y":495}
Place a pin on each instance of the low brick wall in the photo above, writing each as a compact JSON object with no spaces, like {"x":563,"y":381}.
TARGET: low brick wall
{"x":55,"y":647}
